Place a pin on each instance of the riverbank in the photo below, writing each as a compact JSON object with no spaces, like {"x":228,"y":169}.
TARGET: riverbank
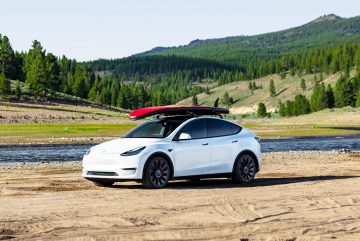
{"x":90,"y":133}
{"x":31,"y":153}
{"x":63,"y":123}
{"x":297,"y":195}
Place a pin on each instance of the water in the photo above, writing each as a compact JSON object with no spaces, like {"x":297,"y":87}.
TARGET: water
{"x":48,"y":153}
{"x":41,"y":153}
{"x":312,"y":144}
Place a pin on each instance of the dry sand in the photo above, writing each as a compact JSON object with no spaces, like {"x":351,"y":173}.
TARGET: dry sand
{"x":296,"y":196}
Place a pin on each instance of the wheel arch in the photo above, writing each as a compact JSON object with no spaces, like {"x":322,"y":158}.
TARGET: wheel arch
{"x":163,"y":155}
{"x":250,"y":153}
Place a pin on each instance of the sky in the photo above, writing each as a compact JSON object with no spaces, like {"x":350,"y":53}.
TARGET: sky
{"x":92,"y":29}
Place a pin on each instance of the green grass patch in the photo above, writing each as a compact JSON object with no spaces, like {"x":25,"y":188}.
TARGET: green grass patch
{"x":64,"y":130}
{"x":296,"y":132}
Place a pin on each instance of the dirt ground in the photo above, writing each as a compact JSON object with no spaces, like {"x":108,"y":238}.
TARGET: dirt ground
{"x":296,"y":196}
{"x":27,"y":112}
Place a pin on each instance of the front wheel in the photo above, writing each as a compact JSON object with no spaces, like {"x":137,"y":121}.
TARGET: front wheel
{"x":157,"y":173}
{"x":245,"y":169}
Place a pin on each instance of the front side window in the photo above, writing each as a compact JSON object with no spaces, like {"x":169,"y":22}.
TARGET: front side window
{"x":196,"y":129}
{"x":154,"y":129}
{"x":219,"y":128}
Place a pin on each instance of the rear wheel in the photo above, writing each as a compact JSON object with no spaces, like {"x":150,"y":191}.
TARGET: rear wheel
{"x":245,"y":169}
{"x":157,"y":173}
{"x":103,"y":183}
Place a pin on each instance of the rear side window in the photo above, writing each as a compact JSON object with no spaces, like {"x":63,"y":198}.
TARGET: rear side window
{"x":218,"y":128}
{"x":196,"y":129}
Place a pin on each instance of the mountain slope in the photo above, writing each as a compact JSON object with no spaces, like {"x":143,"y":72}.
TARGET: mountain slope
{"x":323,"y":31}
{"x":246,"y":102}
{"x":328,"y":44}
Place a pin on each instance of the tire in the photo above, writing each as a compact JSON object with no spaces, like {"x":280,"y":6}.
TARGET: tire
{"x":103,"y":183}
{"x":245,"y":169}
{"x":156,"y":173}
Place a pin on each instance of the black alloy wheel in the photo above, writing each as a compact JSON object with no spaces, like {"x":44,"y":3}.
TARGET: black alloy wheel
{"x":245,"y":169}
{"x":157,"y":173}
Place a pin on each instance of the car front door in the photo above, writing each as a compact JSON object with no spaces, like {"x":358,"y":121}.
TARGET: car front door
{"x":192,"y":155}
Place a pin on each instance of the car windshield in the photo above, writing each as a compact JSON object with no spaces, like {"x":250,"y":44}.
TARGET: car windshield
{"x":158,"y":128}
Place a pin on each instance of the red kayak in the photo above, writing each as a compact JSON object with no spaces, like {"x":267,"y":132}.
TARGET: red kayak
{"x":176,"y":110}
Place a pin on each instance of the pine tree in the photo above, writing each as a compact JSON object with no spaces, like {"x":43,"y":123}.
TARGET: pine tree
{"x":114,"y":91}
{"x":289,"y":108}
{"x":315,"y":97}
{"x":300,"y":105}
{"x":272,"y":88}
{"x":18,"y":89}
{"x":261,"y":111}
{"x":7,"y":58}
{"x":322,"y":102}
{"x":330,"y":96}
{"x":5,"y":85}
{"x":81,"y":86}
{"x":207,"y":91}
{"x":358,"y":100}
{"x":194,"y":100}
{"x":52,"y":73}
{"x":227,"y":99}
{"x":35,"y":69}
{"x":282,"y":109}
{"x":339,"y":92}
{"x":92,"y":94}
{"x":350,"y":93}
{"x":303,"y":84}
{"x":344,"y":93}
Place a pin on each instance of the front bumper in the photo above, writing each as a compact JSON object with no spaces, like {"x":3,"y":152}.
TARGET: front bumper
{"x":112,"y":167}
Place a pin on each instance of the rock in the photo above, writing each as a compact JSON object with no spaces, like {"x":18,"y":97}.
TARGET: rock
{"x":342,"y":151}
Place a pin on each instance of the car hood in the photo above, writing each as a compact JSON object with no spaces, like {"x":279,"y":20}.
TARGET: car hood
{"x":122,"y":145}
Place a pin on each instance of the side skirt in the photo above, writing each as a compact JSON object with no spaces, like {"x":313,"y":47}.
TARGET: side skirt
{"x":217,"y":175}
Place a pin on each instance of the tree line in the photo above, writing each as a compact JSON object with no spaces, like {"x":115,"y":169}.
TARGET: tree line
{"x":346,"y":92}
{"x":157,"y":80}
{"x":45,"y":73}
{"x":327,"y":59}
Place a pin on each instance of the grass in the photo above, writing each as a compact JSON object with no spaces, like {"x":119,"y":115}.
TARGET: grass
{"x":289,"y":131}
{"x":94,"y":133}
{"x":89,"y":124}
{"x":60,"y":133}
{"x":246,"y":102}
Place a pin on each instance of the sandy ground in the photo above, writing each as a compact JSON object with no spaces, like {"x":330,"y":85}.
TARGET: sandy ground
{"x":296,"y":196}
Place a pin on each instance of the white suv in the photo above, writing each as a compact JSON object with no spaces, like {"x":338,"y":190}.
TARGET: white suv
{"x":176,"y":147}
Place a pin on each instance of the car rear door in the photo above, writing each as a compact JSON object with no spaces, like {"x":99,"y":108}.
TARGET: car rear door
{"x":225,"y":145}
{"x":192,"y":156}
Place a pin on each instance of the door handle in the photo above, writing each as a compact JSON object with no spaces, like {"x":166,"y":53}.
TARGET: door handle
{"x":234,"y":141}
{"x":205,"y":144}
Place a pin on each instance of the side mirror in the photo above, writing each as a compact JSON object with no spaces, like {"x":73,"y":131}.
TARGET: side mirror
{"x":184,"y":136}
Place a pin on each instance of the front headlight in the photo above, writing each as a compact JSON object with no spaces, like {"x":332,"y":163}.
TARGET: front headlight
{"x":133,"y":152}
{"x":257,"y":139}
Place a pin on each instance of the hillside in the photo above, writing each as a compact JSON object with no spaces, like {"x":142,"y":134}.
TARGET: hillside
{"x":246,"y":102}
{"x":329,"y":44}
{"x":326,"y":30}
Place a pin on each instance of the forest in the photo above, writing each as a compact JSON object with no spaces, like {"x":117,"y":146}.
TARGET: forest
{"x":166,"y":78}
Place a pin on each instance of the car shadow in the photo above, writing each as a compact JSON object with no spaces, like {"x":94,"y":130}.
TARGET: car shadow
{"x":227,"y":183}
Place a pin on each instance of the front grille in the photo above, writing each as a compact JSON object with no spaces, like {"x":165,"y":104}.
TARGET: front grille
{"x":93,"y":173}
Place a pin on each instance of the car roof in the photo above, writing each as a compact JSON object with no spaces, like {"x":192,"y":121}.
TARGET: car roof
{"x":176,"y":110}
